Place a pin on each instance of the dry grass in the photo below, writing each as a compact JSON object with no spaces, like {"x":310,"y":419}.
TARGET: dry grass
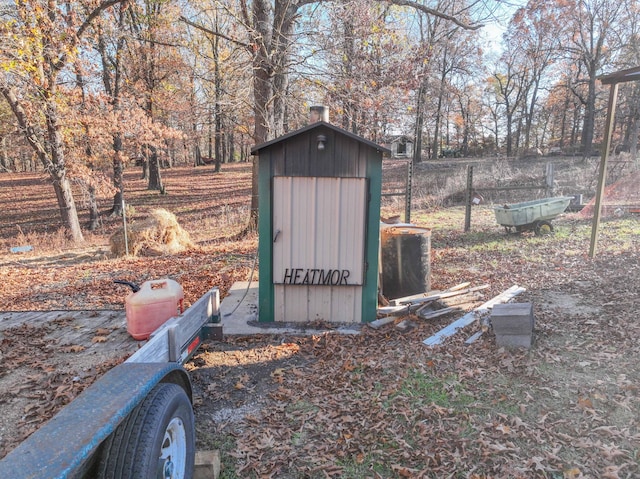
{"x":213,"y":207}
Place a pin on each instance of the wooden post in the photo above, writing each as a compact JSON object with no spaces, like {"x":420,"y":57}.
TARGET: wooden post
{"x":613,"y":95}
{"x":467,"y":213}
{"x":549,"y":179}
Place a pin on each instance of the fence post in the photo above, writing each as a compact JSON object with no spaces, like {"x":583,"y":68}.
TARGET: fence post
{"x":124,"y":222}
{"x":407,"y":198}
{"x":467,"y":213}
{"x":549,"y":180}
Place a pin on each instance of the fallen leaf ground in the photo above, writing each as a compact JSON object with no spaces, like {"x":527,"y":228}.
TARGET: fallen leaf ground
{"x":381,"y":404}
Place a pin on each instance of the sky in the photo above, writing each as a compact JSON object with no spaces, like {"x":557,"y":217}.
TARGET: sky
{"x":496,"y":26}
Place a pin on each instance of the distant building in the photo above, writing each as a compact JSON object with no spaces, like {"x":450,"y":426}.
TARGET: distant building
{"x":401,"y":146}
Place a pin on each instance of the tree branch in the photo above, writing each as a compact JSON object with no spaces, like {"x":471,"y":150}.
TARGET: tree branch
{"x":61,"y":62}
{"x":436,"y":13}
{"x":208,"y":31}
{"x":23,"y":121}
{"x":413,"y":4}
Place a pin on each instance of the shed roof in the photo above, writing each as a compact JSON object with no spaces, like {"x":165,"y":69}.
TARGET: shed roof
{"x":313,"y":126}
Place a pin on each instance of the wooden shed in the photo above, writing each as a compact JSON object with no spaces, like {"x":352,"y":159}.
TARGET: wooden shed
{"x":319,"y":220}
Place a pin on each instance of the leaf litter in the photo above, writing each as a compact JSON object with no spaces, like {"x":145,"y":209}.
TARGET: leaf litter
{"x":381,"y":404}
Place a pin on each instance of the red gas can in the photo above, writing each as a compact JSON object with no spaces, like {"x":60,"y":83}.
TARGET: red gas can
{"x":152,"y":305}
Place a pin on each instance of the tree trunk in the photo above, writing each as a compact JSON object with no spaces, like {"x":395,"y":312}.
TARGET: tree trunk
{"x":217,"y":83}
{"x":417,"y":152}
{"x":232,"y":146}
{"x":435,"y":147}
{"x":283,"y":18}
{"x":92,"y":203}
{"x":437,"y":130}
{"x":575,"y":125}
{"x":155,"y":181}
{"x":466,"y":126}
{"x":529,"y":118}
{"x":56,"y":165}
{"x":563,"y":124}
{"x":630,"y":126}
{"x":198,"y":156}
{"x":52,"y":158}
{"x":118,"y":178}
{"x":589,"y":119}
{"x":509,"y":118}
{"x":218,"y":142}
{"x":111,"y":80}
{"x":67,"y":206}
{"x":94,"y":214}
{"x":4,"y":158}
{"x":262,"y":90}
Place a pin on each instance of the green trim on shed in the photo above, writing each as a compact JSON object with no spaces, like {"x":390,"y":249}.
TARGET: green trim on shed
{"x":370,"y":290}
{"x":266,"y":288}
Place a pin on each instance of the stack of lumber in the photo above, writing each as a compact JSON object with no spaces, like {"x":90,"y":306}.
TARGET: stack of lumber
{"x":432,"y":304}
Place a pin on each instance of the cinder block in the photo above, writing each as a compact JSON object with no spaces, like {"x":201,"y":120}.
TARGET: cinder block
{"x":516,"y":318}
{"x":514,"y":340}
{"x":207,"y":465}
{"x":513,"y":324}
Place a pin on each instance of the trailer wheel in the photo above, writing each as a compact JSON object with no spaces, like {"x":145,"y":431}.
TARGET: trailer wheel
{"x":543,"y":228}
{"x":157,"y":440}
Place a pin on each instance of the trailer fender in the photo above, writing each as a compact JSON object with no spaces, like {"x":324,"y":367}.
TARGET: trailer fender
{"x":66,"y":445}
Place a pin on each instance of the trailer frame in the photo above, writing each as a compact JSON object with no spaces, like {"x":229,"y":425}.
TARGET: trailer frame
{"x":69,"y":445}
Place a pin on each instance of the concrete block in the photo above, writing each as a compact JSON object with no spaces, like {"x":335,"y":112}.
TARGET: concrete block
{"x":207,"y":465}
{"x":514,"y":340}
{"x":513,"y":324}
{"x":516,"y":318}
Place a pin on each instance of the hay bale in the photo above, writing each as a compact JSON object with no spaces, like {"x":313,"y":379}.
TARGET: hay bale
{"x":157,"y":235}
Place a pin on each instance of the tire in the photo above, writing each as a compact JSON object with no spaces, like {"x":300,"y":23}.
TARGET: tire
{"x":543,"y":228}
{"x":157,"y":440}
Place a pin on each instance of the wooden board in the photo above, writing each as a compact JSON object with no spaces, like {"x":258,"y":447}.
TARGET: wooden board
{"x":76,"y":328}
{"x":470,"y":317}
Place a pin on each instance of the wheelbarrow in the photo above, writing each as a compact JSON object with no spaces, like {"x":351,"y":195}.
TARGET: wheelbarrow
{"x":533,"y":215}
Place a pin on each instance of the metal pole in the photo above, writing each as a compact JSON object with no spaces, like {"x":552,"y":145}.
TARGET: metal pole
{"x":124,"y":221}
{"x":613,"y":95}
{"x":407,"y":205}
{"x":467,"y":212}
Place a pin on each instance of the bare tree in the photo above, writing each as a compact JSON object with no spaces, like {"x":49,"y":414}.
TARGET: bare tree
{"x":590,"y":41}
{"x":270,"y":36}
{"x":29,"y":83}
{"x":535,"y":29}
{"x":510,"y":86}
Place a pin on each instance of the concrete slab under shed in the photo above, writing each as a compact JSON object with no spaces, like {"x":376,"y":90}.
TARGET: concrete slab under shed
{"x":239,"y":316}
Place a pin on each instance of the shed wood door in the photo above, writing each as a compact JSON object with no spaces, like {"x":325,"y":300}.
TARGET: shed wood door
{"x":319,"y":231}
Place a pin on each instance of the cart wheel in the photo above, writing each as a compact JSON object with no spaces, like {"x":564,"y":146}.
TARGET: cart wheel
{"x":157,"y":440}
{"x":543,"y":228}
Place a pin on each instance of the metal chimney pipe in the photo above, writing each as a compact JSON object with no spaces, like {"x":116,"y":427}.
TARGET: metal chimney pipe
{"x":318,"y":113}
